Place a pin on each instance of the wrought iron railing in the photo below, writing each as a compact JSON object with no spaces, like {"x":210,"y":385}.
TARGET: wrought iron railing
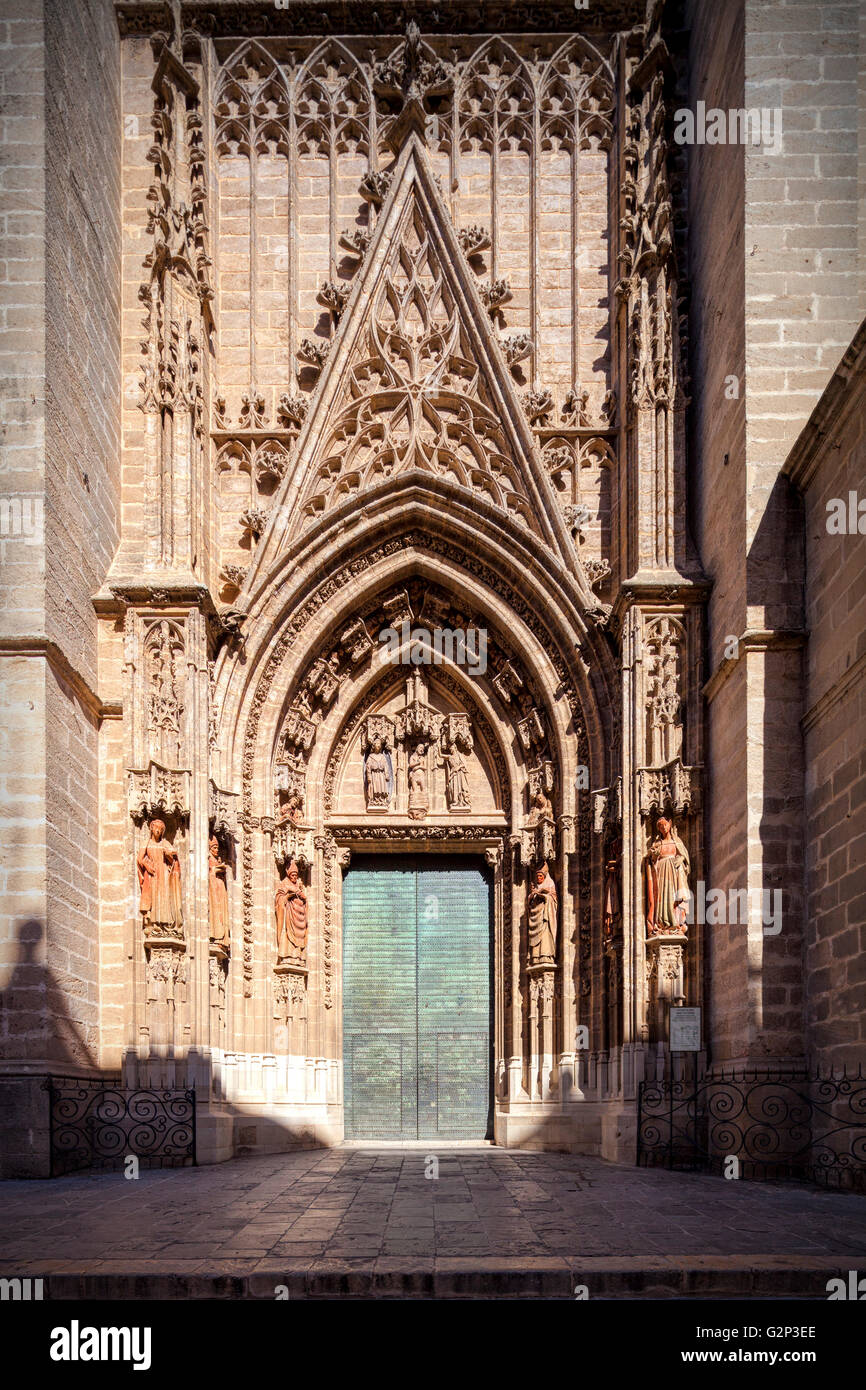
{"x":94,"y":1124}
{"x":775,"y":1124}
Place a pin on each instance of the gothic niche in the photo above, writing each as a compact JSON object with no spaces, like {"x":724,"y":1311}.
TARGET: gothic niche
{"x":158,"y":870}
{"x":377,"y":743}
{"x":163,"y":664}
{"x":664,"y":644}
{"x":159,"y":881}
{"x":415,"y":757}
{"x":666,"y":882}
{"x":542,"y":904}
{"x":290,"y":908}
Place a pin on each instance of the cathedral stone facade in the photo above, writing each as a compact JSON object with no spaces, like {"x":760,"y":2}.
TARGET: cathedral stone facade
{"x":421,"y":635}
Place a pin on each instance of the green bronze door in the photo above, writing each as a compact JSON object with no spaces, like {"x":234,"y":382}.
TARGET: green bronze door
{"x":416,"y":999}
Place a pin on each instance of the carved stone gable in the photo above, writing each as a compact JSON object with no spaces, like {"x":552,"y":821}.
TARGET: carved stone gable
{"x":416,"y":383}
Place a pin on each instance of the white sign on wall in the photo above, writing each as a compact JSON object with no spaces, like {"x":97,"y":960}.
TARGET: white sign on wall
{"x":685,"y":1034}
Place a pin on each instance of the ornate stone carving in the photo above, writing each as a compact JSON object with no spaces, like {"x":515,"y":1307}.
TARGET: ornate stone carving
{"x":675,"y":787}
{"x":157,"y":789}
{"x":165,"y":677}
{"x":374,"y":186}
{"x":596,"y":571}
{"x":253,"y":410}
{"x":270,"y":463}
{"x":537,"y":406}
{"x":333,"y":296}
{"x":494,"y":294}
{"x":356,"y":641}
{"x":542,"y":987}
{"x":233,"y":577}
{"x":290,"y":994}
{"x":356,"y":241}
{"x":314,"y":353}
{"x":254,"y":520}
{"x":531,"y":731}
{"x":664,"y":647}
{"x":292,"y":410}
{"x":165,"y":970}
{"x":607,"y":807}
{"x":575,"y":405}
{"x":411,"y":394}
{"x":217,"y":975}
{"x":222,"y":810}
{"x":516,"y":348}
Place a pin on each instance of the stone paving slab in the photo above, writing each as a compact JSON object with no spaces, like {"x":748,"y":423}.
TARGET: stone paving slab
{"x":354,"y":1222}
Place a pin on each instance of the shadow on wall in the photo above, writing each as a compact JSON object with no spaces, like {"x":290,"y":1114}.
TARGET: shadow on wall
{"x":775,"y":584}
{"x":38,"y":1036}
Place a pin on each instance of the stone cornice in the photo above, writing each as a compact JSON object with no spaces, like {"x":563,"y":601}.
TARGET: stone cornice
{"x":840,"y":398}
{"x":29,"y":645}
{"x":237,"y":18}
{"x":837,"y":691}
{"x":752,"y":640}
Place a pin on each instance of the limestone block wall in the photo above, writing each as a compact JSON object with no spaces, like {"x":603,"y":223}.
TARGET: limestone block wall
{"x":829,"y":462}
{"x":61,"y":387}
{"x":22,"y":405}
{"x":718,"y":471}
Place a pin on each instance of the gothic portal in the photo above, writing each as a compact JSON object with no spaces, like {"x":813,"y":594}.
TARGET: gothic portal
{"x":397,"y":742}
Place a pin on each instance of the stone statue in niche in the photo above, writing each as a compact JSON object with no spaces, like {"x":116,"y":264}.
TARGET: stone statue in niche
{"x":456,"y":780}
{"x":417,"y":775}
{"x":378,"y":776}
{"x":612,"y":897}
{"x":293,"y":812}
{"x":666,"y":871}
{"x":291,"y":913}
{"x":542,"y":908}
{"x":541,"y":808}
{"x":217,"y":896}
{"x":159,"y":881}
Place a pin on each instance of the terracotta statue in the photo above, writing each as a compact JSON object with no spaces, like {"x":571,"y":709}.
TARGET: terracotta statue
{"x":291,"y":911}
{"x":159,"y":881}
{"x":667,"y":882}
{"x":456,"y":782}
{"x":293,"y":813}
{"x":418,"y":781}
{"x":377,"y":776}
{"x":541,"y":808}
{"x":217,"y":896}
{"x":542,"y":906}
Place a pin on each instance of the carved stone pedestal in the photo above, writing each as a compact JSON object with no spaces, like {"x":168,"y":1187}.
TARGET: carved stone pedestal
{"x":290,"y":1008}
{"x":166,"y":975}
{"x":665,"y":987}
{"x":542,"y":991}
{"x":218,"y":965}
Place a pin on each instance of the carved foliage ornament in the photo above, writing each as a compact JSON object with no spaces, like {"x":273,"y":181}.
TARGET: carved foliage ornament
{"x":413,"y":396}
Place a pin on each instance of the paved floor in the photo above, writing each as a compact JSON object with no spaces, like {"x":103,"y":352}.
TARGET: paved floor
{"x":366,"y":1204}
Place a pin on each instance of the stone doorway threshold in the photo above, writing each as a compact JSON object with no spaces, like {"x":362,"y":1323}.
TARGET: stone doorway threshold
{"x":417,"y":1145}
